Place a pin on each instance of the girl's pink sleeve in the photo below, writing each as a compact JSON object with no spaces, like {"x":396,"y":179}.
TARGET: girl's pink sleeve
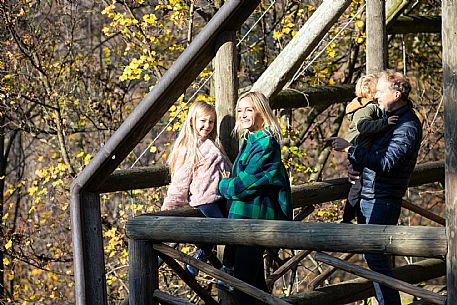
{"x":178,"y":191}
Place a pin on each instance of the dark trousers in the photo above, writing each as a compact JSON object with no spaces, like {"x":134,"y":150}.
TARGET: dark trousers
{"x":382,"y":212}
{"x":217,"y":210}
{"x":211,"y":210}
{"x":249,"y":268}
{"x":352,"y":207}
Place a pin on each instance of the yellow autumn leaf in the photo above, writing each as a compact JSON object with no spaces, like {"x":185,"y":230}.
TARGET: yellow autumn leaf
{"x":6,"y":261}
{"x":32,"y":190}
{"x":276,"y":35}
{"x":359,"y":23}
{"x":8,"y":244}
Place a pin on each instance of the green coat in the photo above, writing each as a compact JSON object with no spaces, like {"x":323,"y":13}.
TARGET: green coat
{"x":259,"y":187}
{"x":366,"y":120}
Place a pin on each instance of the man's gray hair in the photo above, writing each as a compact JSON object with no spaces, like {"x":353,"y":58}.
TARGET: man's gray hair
{"x":398,"y":82}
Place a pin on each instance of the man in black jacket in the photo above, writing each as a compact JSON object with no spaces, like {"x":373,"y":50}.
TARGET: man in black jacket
{"x":387,"y":167}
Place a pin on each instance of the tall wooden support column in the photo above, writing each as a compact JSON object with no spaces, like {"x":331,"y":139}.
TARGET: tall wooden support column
{"x":226,"y":90}
{"x":376,"y":53}
{"x":92,"y":259}
{"x":449,"y":37}
{"x":143,"y":272}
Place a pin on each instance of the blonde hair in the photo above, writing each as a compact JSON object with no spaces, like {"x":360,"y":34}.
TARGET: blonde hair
{"x":185,"y":148}
{"x":366,"y":86}
{"x":262,"y":105}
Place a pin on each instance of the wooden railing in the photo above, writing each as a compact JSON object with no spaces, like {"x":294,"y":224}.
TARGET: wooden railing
{"x":147,"y":232}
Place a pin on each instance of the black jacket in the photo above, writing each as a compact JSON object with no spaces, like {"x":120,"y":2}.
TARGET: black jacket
{"x":389,"y":163}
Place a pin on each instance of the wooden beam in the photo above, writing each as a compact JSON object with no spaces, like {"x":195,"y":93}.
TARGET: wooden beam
{"x":376,"y":43}
{"x":415,"y":24}
{"x":313,"y":96}
{"x":290,"y":264}
{"x":150,"y":110}
{"x":188,"y":279}
{"x":398,"y":240}
{"x":326,"y":273}
{"x":89,"y":261}
{"x":233,"y":281}
{"x":226,"y":89}
{"x":143,"y":272}
{"x":449,"y":38}
{"x":359,"y":288}
{"x":136,"y":178}
{"x":394,"y":8}
{"x":295,"y":52}
{"x":166,"y":298}
{"x":423,"y":212}
{"x":394,"y":283}
{"x":145,"y":177}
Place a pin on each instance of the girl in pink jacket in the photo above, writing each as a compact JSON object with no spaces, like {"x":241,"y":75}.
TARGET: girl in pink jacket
{"x":197,"y":163}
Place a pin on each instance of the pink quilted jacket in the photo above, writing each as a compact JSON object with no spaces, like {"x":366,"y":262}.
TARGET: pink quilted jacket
{"x":198,"y":186}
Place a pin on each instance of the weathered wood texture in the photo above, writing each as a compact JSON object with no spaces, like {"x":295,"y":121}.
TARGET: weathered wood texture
{"x":90,"y":272}
{"x":317,"y":281}
{"x":136,"y":178}
{"x":359,"y":289}
{"x":166,"y":298}
{"x":394,"y":8}
{"x":175,"y":81}
{"x":290,"y":264}
{"x":236,"y":283}
{"x":226,"y":89}
{"x":295,"y":52}
{"x":423,"y":212}
{"x":188,"y":279}
{"x":312,"y":96}
{"x":143,"y":272}
{"x":376,"y":45}
{"x":144,"y":177}
{"x":449,"y":38}
{"x":399,"y":240}
{"x":303,"y":195}
{"x":433,"y":298}
{"x":415,"y":24}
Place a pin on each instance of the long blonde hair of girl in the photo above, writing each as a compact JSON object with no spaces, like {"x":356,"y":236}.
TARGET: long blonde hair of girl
{"x":185,"y":148}
{"x":262,"y":105}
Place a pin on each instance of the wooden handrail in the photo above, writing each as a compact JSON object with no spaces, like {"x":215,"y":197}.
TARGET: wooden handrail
{"x":399,"y":240}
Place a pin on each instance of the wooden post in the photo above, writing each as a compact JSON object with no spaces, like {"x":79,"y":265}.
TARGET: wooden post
{"x":143,"y":272}
{"x":449,"y":37}
{"x":226,"y":90}
{"x":376,"y":53}
{"x":89,"y":260}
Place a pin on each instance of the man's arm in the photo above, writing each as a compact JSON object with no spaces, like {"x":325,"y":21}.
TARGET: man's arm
{"x":400,"y":147}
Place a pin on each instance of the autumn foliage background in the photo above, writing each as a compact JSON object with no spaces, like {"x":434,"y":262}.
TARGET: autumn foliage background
{"x":72,"y":71}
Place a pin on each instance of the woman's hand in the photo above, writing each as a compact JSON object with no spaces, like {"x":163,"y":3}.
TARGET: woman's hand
{"x":225,"y":174}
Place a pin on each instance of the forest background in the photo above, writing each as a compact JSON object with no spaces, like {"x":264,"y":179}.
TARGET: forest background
{"x":72,"y":71}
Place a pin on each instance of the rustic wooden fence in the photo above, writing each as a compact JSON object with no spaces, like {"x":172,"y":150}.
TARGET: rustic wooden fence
{"x":147,"y":232}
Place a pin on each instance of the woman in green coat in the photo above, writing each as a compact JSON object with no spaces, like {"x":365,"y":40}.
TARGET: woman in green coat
{"x":259,"y":186}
